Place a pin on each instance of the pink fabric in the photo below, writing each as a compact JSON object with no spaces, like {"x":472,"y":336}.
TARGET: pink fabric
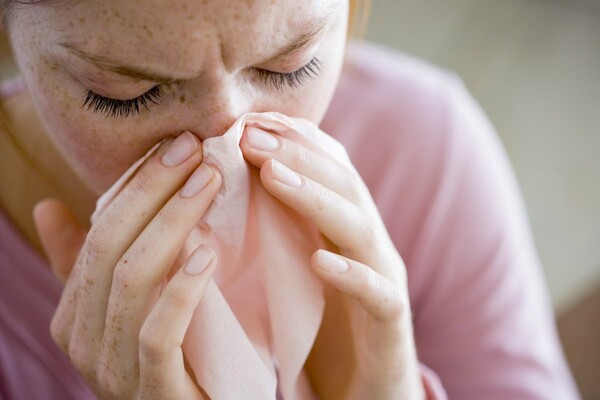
{"x":265,"y":304}
{"x":31,"y":366}
{"x":483,"y":322}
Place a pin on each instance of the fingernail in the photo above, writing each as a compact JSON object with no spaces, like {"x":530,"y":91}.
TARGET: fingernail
{"x":180,"y":150}
{"x":261,"y":140}
{"x":332,"y":263}
{"x":284,"y":175}
{"x":199,"y":179}
{"x":199,"y":260}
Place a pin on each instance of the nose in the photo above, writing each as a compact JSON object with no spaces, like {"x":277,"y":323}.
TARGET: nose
{"x":217,"y":106}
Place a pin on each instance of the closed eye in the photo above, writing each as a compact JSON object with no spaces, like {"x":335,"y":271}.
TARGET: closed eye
{"x":120,"y":108}
{"x":291,"y":79}
{"x":124,"y":108}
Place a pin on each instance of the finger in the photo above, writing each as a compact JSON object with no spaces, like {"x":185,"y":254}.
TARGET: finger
{"x":145,"y":264}
{"x":118,"y":226}
{"x":61,"y":235}
{"x":162,"y":371}
{"x":351,"y":229}
{"x":61,"y":325}
{"x":376,"y":294}
{"x":140,"y":199}
{"x":259,"y":146}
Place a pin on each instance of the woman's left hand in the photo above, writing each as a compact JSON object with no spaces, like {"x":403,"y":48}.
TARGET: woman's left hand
{"x":365,"y":347}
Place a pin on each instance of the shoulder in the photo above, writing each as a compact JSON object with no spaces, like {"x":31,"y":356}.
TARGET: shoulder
{"x":391,"y":72}
{"x":379,"y":83}
{"x":389,"y":105}
{"x":404,"y":121}
{"x":423,"y":146}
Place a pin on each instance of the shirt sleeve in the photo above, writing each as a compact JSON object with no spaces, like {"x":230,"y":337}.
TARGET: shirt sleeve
{"x":484,"y":325}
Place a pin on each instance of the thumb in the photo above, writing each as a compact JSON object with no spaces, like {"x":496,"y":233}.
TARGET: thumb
{"x":60,"y":233}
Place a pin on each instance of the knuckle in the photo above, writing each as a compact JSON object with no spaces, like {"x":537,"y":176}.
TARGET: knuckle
{"x":370,"y":281}
{"x":323,"y":199}
{"x":181,"y":298}
{"x":97,"y":245}
{"x":386,"y":298}
{"x":125,"y":277}
{"x":59,"y":334}
{"x":153,"y":346}
{"x":56,"y":330}
{"x":145,"y":181}
{"x":355,"y":188}
{"x":368,"y":236}
{"x":300,"y":157}
{"x":394,"y":304}
{"x":80,"y":356}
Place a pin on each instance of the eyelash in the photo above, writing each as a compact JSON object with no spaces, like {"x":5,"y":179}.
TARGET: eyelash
{"x":120,"y":108}
{"x":291,"y":79}
{"x":124,"y":108}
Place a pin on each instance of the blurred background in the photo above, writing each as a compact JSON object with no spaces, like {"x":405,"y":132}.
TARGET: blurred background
{"x":534,"y":66}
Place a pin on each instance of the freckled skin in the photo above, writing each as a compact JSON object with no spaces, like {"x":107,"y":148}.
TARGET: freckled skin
{"x":214,"y":44}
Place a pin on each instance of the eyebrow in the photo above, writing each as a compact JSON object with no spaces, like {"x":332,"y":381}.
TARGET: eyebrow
{"x":311,"y":30}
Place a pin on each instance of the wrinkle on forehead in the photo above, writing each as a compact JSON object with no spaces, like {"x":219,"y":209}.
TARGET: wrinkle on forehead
{"x":191,"y":36}
{"x":266,"y":30}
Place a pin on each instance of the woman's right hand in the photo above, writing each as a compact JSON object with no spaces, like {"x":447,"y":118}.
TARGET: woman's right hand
{"x":122,"y":334}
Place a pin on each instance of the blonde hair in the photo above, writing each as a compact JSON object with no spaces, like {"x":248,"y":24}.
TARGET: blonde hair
{"x":358,"y":18}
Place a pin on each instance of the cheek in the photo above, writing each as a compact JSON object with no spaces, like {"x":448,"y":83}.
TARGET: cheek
{"x":312,"y":102}
{"x":90,"y":145}
{"x":93,"y":148}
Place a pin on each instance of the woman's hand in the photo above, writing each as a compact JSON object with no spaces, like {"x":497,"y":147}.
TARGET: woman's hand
{"x":119,"y":331}
{"x":365,"y":347}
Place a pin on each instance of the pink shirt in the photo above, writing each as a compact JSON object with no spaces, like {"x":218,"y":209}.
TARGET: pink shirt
{"x":484,"y":327}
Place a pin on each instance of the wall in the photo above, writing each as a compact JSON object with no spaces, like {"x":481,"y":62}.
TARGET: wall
{"x":534,"y":66}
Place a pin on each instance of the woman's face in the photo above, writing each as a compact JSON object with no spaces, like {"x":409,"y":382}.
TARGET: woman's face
{"x":196,"y":65}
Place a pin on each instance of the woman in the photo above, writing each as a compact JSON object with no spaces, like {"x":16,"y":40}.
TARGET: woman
{"x":453,"y":305}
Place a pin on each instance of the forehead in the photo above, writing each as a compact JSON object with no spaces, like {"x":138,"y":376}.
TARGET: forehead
{"x":187,"y":32}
